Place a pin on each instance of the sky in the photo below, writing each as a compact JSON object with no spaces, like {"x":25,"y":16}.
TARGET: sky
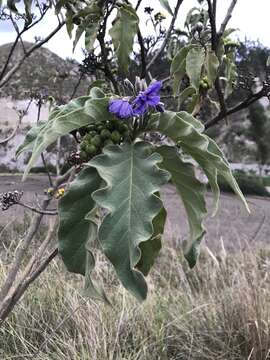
{"x":250,"y":17}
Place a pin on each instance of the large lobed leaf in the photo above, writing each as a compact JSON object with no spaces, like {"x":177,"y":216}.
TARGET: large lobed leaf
{"x":77,"y":231}
{"x":123,"y":31}
{"x":191,"y":192}
{"x":74,"y":228}
{"x":185,"y":130}
{"x":77,"y":113}
{"x":132,"y":178}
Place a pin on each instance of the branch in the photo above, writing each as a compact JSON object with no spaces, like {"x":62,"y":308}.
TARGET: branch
{"x":143,"y":55}
{"x":243,"y":105}
{"x":13,"y":272}
{"x":16,"y":67}
{"x":215,"y":44}
{"x":168,"y":34}
{"x":19,"y":34}
{"x":37,"y":211}
{"x":227,"y":17}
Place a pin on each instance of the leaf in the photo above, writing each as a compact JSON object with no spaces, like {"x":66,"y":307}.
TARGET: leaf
{"x":178,"y":68}
{"x":268,"y":61}
{"x":28,"y":13}
{"x":77,"y":113}
{"x":151,"y":248}
{"x":30,"y":138}
{"x":132,"y":178}
{"x":191,"y":191}
{"x":211,"y":66}
{"x":194,"y":62}
{"x":186,"y":131}
{"x":185,"y":94}
{"x":74,"y":229}
{"x":166,"y":5}
{"x":11,"y":5}
{"x":123,"y":31}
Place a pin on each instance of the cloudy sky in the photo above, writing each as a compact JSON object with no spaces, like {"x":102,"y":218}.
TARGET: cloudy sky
{"x":250,"y":17}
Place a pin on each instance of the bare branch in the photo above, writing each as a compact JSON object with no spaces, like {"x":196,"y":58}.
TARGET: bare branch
{"x":143,"y":55}
{"x":243,"y":105}
{"x":16,"y":67}
{"x":38,"y":211}
{"x":227,"y":17}
{"x":19,"y":34}
{"x":167,"y":37}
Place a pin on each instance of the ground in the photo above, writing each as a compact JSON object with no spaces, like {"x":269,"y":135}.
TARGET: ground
{"x":232,"y":228}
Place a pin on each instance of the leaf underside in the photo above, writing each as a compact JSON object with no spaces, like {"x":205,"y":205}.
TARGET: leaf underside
{"x":186,"y":131}
{"x":191,"y":191}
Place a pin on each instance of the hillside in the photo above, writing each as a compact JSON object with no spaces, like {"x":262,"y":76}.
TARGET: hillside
{"x":43,"y":70}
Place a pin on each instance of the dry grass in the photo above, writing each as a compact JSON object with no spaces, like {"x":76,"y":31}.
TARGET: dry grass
{"x":220,"y":310}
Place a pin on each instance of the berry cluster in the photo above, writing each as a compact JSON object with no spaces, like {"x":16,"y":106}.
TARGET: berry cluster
{"x":10,"y":198}
{"x":102,"y":134}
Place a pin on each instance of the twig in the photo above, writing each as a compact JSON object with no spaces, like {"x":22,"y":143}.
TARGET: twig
{"x":16,"y":42}
{"x":227,"y":17}
{"x":215,"y":38}
{"x":243,"y":105}
{"x":42,"y":155}
{"x":20,"y":255}
{"x":143,"y":55}
{"x":43,"y":212}
{"x":16,"y":67}
{"x":167,"y":37}
{"x":21,"y":116}
{"x":138,"y":4}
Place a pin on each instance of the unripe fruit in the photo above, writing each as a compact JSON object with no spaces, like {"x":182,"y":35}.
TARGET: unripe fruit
{"x":123,"y":127}
{"x":96,"y":141}
{"x":115,"y":137}
{"x":92,"y":134}
{"x":83,"y":146}
{"x":108,"y":142}
{"x":105,"y":134}
{"x":91,"y":150}
{"x":83,"y":155}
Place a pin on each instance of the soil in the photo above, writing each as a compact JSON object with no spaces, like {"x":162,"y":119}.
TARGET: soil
{"x":232,"y":228}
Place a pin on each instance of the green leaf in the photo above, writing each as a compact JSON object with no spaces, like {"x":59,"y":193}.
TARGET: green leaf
{"x":11,"y":4}
{"x":268,"y":61}
{"x":132,"y":179}
{"x":123,"y":31}
{"x":28,"y":12}
{"x":211,"y":66}
{"x":74,"y":230}
{"x":77,"y":113}
{"x":186,"y":131}
{"x":30,"y":138}
{"x":151,"y":248}
{"x":178,"y":68}
{"x":191,"y":192}
{"x":166,"y":6}
{"x":194,"y":63}
{"x":185,"y":94}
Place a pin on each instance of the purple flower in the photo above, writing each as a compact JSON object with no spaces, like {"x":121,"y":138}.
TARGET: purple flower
{"x":149,"y":97}
{"x":121,"y":108}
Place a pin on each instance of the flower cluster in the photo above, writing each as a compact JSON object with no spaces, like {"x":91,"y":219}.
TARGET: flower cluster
{"x":10,"y":198}
{"x":150,"y":98}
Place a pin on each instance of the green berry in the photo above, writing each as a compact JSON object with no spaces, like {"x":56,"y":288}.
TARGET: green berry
{"x":108,"y":142}
{"x":83,"y":146}
{"x":83,"y":155}
{"x":123,"y":127}
{"x":91,"y":150}
{"x":96,"y":141}
{"x":105,"y":134}
{"x":115,"y":137}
